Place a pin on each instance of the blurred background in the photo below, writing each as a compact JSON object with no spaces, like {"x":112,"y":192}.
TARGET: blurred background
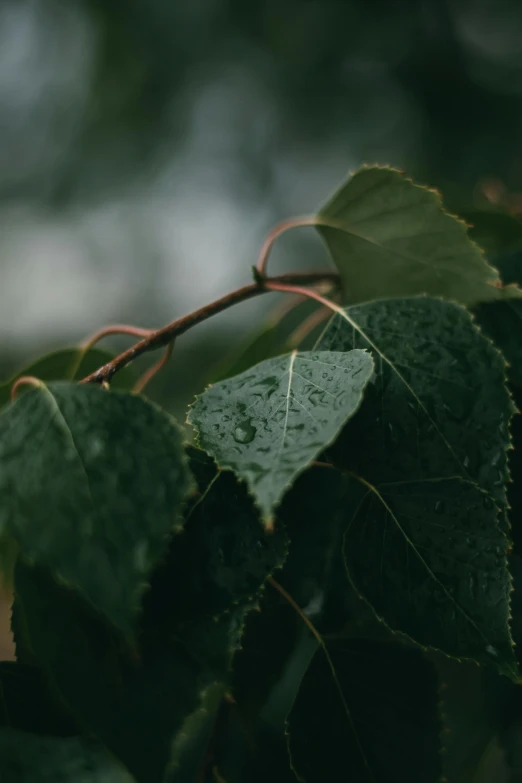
{"x":147,"y":147}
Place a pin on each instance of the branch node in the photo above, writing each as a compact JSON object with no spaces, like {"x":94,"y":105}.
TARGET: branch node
{"x":259,"y":276}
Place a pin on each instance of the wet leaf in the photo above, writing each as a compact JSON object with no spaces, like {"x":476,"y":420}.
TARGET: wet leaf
{"x":389,"y":237}
{"x":435,"y":421}
{"x":431,"y":561}
{"x":270,"y":422}
{"x":366,"y":712}
{"x":93,"y":485}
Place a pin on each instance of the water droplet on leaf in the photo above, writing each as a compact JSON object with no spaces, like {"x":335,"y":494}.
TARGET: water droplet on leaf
{"x":244,"y":432}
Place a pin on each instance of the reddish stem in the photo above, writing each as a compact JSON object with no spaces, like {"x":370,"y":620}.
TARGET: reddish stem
{"x":106,"y":331}
{"x":24,"y":380}
{"x":273,"y":285}
{"x":285,"y":225}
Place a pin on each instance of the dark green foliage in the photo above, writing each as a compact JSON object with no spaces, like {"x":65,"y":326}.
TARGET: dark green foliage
{"x":30,"y":758}
{"x":362,"y":709}
{"x":222,"y":557}
{"x":323,"y":590}
{"x":428,"y":557}
{"x":270,"y":422}
{"x":58,"y":448}
{"x":115,"y":696}
{"x":28,"y":704}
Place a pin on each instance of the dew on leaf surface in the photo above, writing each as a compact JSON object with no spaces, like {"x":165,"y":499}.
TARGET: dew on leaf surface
{"x":244,"y":432}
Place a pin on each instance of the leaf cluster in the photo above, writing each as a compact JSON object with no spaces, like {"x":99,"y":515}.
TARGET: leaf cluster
{"x":321,"y":587}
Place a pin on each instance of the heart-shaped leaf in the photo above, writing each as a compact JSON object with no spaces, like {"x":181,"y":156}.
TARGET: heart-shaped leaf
{"x":270,"y":422}
{"x":93,"y":484}
{"x":425,"y":548}
{"x":389,"y":237}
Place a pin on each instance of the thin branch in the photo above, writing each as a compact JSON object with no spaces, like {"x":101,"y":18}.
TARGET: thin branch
{"x":149,"y":374}
{"x":266,"y":247}
{"x":106,"y":331}
{"x":288,"y":288}
{"x":322,"y":644}
{"x":311,"y":627}
{"x":24,"y":380}
{"x":166,"y":334}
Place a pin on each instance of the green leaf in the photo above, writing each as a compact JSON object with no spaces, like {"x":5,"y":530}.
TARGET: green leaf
{"x":389,"y":237}
{"x":276,"y":651}
{"x":29,"y":758}
{"x":435,"y":421}
{"x":430,"y":560}
{"x":474,"y":706}
{"x":315,"y":513}
{"x":93,"y":484}
{"x":28,"y":704}
{"x":366,"y":712}
{"x":136,"y":707}
{"x":59,"y":366}
{"x":270,"y":422}
{"x":221,"y":559}
{"x":271,"y":634}
{"x":191,"y":746}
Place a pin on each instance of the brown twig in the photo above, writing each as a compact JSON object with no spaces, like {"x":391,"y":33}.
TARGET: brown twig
{"x":106,"y":331}
{"x":166,"y":334}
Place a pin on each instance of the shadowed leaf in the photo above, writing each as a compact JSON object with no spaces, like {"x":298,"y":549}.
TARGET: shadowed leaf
{"x":438,"y":409}
{"x":366,"y":713}
{"x":135,"y":706}
{"x":31,"y":758}
{"x":221,"y":559}
{"x":430,"y":560}
{"x":93,"y":484}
